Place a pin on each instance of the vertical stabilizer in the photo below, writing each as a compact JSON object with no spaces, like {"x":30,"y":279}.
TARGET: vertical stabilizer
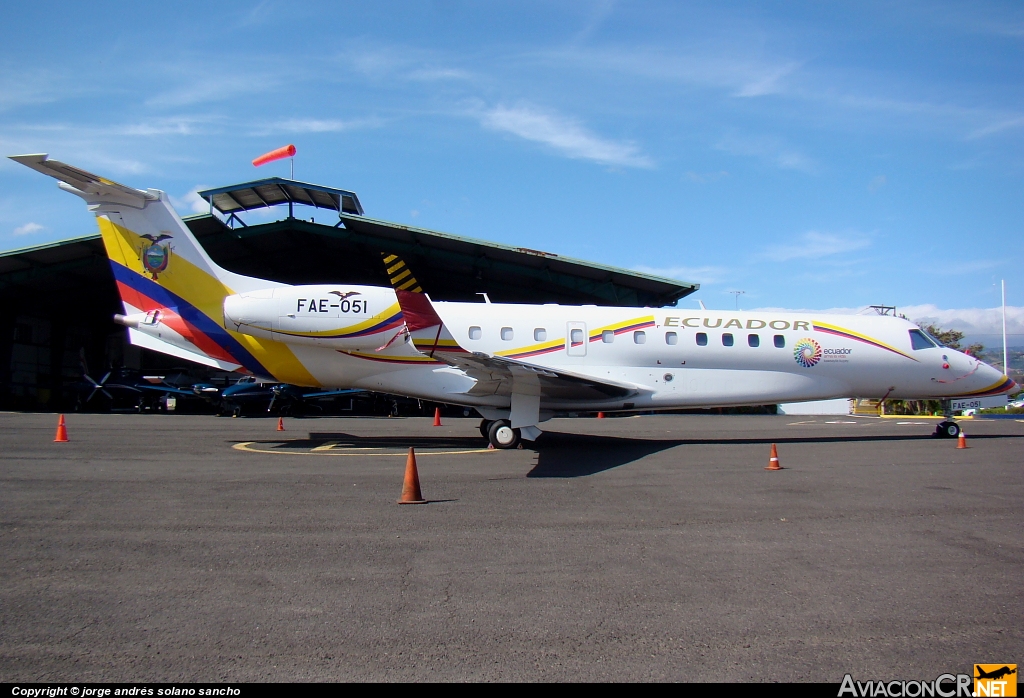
{"x":171,"y":290}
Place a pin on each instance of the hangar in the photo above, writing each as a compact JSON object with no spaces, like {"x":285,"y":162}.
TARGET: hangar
{"x":57,"y":299}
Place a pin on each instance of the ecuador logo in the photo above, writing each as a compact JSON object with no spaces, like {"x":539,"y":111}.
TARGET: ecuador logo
{"x":807,"y":352}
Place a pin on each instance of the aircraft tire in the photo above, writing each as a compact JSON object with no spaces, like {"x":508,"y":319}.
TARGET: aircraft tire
{"x":485,"y":428}
{"x":947,"y":430}
{"x":502,"y":435}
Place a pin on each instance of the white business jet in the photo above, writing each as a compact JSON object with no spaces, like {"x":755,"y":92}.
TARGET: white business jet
{"x":517,"y":365}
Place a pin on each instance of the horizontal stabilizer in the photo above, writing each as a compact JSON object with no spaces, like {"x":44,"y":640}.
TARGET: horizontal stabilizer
{"x":143,"y":340}
{"x":91,"y":187}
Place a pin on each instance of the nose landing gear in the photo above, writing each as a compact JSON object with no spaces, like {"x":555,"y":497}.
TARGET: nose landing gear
{"x":947,"y":428}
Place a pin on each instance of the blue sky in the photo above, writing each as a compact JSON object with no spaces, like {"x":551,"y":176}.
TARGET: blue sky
{"x":811,"y":155}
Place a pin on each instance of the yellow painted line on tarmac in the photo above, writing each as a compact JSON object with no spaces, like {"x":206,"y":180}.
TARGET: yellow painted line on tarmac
{"x":810,"y":421}
{"x":914,"y":416}
{"x":248,"y":447}
{"x":327,"y":446}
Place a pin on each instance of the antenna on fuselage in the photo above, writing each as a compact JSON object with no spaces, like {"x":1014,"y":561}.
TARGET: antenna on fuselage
{"x":701,"y":303}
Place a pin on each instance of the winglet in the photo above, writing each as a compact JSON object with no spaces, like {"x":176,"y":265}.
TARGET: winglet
{"x":419,"y":314}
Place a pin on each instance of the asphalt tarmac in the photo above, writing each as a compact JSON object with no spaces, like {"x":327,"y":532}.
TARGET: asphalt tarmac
{"x":195,"y":548}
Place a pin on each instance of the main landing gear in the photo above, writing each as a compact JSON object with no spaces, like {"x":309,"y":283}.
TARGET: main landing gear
{"x":500,"y":433}
{"x":947,"y":428}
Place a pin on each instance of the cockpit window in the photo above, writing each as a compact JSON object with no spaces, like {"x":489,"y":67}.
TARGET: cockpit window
{"x":919,"y":340}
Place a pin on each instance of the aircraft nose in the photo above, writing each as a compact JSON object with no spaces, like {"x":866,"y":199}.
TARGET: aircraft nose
{"x":992,"y":375}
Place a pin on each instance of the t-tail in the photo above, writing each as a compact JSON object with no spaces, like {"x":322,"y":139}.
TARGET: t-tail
{"x":172,"y":292}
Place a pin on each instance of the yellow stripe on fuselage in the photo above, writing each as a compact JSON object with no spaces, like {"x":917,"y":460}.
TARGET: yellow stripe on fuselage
{"x":594,"y":334}
{"x":863,"y":337}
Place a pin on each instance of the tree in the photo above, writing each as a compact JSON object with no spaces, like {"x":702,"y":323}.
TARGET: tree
{"x":951,"y":339}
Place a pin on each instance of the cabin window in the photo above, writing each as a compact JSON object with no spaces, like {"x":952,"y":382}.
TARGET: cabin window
{"x":639,"y":337}
{"x":540,"y":334}
{"x":780,"y":341}
{"x":576,"y":337}
{"x":671,"y":338}
{"x":702,"y":339}
{"x":919,"y":340}
{"x":474,"y":332}
{"x":753,"y":340}
{"x":607,"y":336}
{"x":506,"y":334}
{"x":727,"y":339}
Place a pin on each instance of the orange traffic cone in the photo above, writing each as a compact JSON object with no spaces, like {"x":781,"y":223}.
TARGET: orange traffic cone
{"x":961,"y":442}
{"x":773,"y":460}
{"x":280,"y":423}
{"x":437,"y":416}
{"x":62,"y":431}
{"x":411,"y":487}
{"x":600,"y":415}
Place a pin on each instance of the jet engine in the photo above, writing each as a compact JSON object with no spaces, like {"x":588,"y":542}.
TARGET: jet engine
{"x":336,"y":316}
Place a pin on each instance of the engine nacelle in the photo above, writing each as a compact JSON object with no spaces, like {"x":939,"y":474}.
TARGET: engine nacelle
{"x":329,"y":315}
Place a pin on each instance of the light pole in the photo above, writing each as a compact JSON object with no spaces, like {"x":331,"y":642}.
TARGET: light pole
{"x":737,"y":294}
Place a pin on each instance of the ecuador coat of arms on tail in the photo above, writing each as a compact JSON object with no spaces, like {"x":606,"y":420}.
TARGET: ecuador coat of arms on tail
{"x":155,"y":256}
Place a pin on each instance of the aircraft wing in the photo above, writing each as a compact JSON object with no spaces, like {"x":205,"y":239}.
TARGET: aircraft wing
{"x":331,"y":393}
{"x":496,"y":375}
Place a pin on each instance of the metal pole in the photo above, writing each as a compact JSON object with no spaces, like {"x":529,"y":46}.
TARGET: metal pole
{"x":1006,"y":365}
{"x":291,"y":162}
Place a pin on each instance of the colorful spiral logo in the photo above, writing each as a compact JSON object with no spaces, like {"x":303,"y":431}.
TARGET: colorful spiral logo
{"x":807,"y":352}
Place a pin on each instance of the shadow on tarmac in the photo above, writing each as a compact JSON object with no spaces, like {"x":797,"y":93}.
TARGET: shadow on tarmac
{"x":578,"y":455}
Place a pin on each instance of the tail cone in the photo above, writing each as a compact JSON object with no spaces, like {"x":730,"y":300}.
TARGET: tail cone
{"x":62,"y":432}
{"x":437,"y":416}
{"x":773,"y":460}
{"x":411,"y":487}
{"x":280,"y":423}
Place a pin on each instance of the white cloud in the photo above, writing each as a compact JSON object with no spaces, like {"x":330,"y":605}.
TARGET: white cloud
{"x":316,"y":126}
{"x":767,"y":83}
{"x":191,"y":202}
{"x":179,"y":126}
{"x":435,"y":74}
{"x":877,"y":183}
{"x":566,"y":135}
{"x":973,"y":321}
{"x":1001,"y":125}
{"x":724,"y":66}
{"x":197,"y":85}
{"x":815,"y":245}
{"x":770,"y":149}
{"x":979,"y":322}
{"x":28,"y":229}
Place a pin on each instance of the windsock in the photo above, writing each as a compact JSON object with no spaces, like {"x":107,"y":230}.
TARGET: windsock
{"x":279,"y":154}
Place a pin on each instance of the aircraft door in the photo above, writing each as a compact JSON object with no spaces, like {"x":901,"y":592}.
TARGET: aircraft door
{"x":575,"y":339}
